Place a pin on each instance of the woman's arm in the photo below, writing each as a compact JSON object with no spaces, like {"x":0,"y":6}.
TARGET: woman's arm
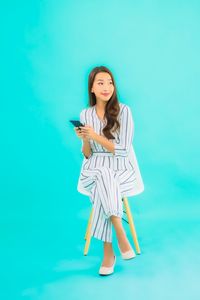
{"x":121,"y":147}
{"x":86,"y":149}
{"x":103,"y":141}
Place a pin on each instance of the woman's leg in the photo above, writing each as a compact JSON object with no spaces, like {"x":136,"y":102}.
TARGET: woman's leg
{"x":106,"y":199}
{"x":107,"y":202}
{"x":126,"y":179}
{"x":121,"y":234}
{"x":108,"y":258}
{"x":124,"y":244}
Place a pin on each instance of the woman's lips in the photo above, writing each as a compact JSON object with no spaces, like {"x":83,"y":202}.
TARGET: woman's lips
{"x":105,"y":94}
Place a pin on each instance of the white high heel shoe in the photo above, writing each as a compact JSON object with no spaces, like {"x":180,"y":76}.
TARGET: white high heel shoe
{"x":107,"y":270}
{"x":128,"y":254}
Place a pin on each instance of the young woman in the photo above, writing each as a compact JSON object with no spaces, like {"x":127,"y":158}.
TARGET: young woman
{"x":109,"y":170}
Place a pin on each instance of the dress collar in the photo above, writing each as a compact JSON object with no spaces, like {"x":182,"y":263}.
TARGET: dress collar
{"x":101,"y":120}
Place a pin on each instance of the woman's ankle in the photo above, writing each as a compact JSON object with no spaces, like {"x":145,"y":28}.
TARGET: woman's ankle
{"x":124,"y":243}
{"x":108,"y":249}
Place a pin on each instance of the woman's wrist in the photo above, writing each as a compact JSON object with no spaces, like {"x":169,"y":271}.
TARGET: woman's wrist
{"x":95,"y":136}
{"x":86,"y":141}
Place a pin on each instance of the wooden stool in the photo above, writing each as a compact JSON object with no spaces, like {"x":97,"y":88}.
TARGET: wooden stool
{"x":130,"y":222}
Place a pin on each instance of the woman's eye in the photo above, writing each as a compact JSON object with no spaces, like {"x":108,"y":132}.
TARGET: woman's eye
{"x":102,"y":83}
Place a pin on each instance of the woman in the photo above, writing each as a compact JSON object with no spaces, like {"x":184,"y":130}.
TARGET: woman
{"x":109,"y":170}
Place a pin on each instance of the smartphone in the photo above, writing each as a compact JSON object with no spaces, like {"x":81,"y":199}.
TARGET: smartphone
{"x":76,"y":123}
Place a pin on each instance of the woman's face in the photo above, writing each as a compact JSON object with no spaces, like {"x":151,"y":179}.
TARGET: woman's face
{"x":103,"y":86}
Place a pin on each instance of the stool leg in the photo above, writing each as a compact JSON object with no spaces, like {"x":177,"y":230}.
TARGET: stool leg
{"x":87,"y":235}
{"x":88,"y":224}
{"x":131,"y":224}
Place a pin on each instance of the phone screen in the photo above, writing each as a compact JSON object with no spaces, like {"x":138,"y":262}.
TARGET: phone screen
{"x":77,"y":123}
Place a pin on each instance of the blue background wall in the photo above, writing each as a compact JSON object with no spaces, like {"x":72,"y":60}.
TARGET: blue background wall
{"x":47,"y":51}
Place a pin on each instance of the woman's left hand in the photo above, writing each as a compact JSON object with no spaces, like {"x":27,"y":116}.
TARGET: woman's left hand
{"x":88,"y":131}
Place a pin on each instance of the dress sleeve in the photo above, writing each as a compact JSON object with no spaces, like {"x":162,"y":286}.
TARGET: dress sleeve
{"x":82,"y":117}
{"x":122,"y":146}
{"x":83,"y":121}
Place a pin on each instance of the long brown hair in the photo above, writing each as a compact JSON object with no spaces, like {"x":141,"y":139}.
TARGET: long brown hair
{"x":112,"y":107}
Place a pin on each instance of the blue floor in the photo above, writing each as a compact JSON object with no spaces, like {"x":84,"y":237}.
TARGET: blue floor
{"x":42,"y":265}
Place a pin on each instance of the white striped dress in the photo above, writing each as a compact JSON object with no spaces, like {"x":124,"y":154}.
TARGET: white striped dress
{"x":107,"y":177}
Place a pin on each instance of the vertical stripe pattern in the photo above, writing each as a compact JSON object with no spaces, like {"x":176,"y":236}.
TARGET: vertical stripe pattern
{"x":106,"y":176}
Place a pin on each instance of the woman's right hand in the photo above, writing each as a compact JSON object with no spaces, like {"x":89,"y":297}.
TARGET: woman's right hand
{"x":80,"y":134}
